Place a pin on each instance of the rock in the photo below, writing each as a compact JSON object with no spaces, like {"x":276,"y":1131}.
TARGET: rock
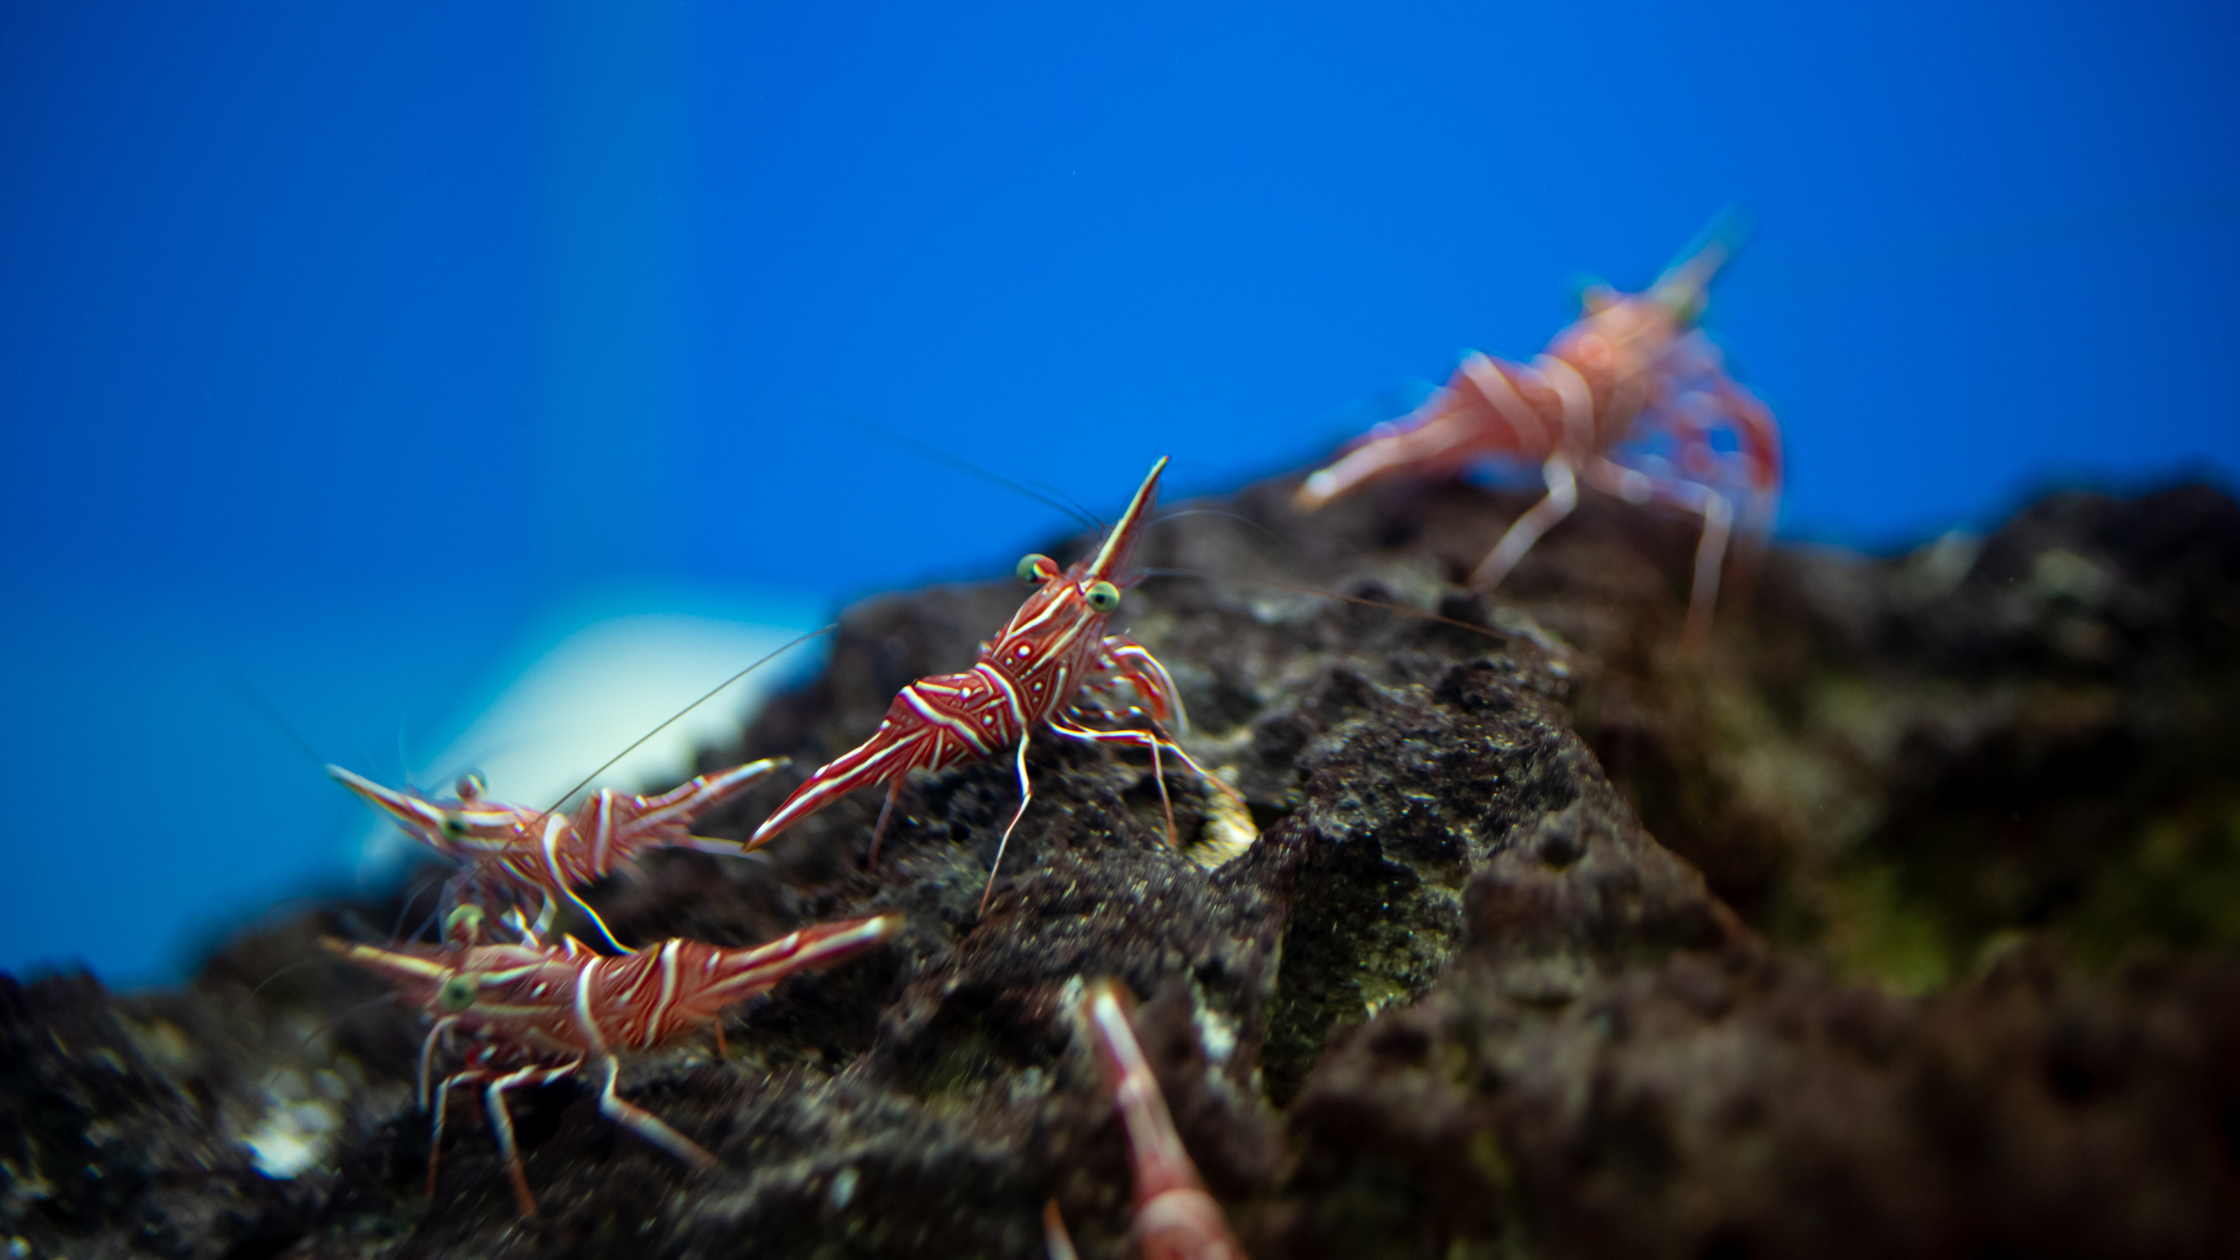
{"x":1925,"y":948}
{"x":122,"y":1134}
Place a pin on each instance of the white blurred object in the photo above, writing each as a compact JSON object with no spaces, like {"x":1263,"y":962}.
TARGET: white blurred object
{"x":588,"y":696}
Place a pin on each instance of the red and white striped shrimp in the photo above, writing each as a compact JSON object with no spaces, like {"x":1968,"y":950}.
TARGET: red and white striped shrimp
{"x":1175,"y":1218}
{"x":507,"y":853}
{"x":537,"y":1013}
{"x":1052,"y":668}
{"x":1632,"y":367}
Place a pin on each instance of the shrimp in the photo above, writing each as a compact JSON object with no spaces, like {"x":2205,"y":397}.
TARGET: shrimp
{"x":511,"y":854}
{"x":538,"y":1013}
{"x":1632,"y":367}
{"x":1051,"y":669}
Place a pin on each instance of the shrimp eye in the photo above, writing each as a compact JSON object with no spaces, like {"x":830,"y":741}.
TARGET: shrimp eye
{"x":471,"y":916}
{"x":457,"y":993}
{"x":470,"y":786}
{"x":454,"y":825}
{"x":1034,"y":570}
{"x":1103,"y":596}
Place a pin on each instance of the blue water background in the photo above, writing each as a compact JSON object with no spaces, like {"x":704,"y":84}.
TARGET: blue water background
{"x":344,"y":346}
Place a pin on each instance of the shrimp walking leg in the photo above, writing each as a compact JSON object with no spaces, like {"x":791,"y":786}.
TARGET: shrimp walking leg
{"x":501,"y":1124}
{"x":1155,"y":740}
{"x":1563,"y":495}
{"x":647,"y":1125}
{"x":1026,"y":796}
{"x":442,"y":1108}
{"x":1133,"y":739}
{"x":879,"y":832}
{"x":1635,"y":486}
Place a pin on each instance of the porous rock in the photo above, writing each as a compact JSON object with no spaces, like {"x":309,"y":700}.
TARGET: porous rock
{"x":1456,"y":1000}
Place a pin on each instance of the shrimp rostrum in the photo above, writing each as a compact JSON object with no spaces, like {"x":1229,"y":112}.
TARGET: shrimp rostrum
{"x":1632,"y":398}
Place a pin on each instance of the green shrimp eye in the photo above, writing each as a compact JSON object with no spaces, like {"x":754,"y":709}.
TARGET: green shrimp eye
{"x":458,"y":993}
{"x":471,"y":916}
{"x":1034,"y":570}
{"x":453,"y":825}
{"x":1104,"y":596}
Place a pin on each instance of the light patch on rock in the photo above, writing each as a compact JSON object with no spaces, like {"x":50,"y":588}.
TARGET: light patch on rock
{"x":1217,"y":1033}
{"x":1228,"y":830}
{"x":294,"y":1133}
{"x":843,"y":1189}
{"x":2058,"y":573}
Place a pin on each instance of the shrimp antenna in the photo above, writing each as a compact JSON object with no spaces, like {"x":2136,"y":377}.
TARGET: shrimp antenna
{"x":1224,"y":513}
{"x":298,"y":965}
{"x":1079,"y":511}
{"x":324,"y":1028}
{"x":774,"y":654}
{"x":411,"y":896}
{"x":271,"y":713}
{"x":403,"y":760}
{"x":958,"y":462}
{"x":1487,"y":632}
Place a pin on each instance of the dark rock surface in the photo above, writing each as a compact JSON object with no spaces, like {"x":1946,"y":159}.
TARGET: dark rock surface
{"x":1904,"y":922}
